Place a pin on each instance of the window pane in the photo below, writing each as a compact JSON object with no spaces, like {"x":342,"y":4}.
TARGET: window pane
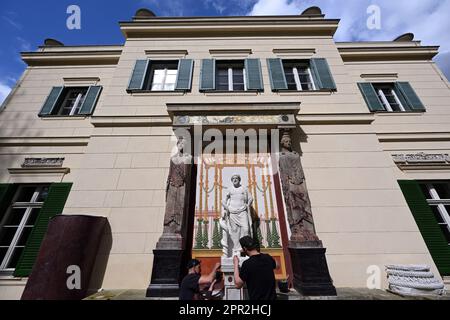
{"x":157,"y":86}
{"x":26,"y":193}
{"x":6,"y":235}
{"x":2,"y":253}
{"x":14,"y":258}
{"x":443,"y":190}
{"x":42,"y":194}
{"x":425,"y":191}
{"x":15,"y":217}
{"x":169,"y":87}
{"x":24,"y":236}
{"x":222,"y":79}
{"x":33,"y":216}
{"x":437,"y":214}
{"x":171,"y":79}
{"x":290,"y":78}
{"x":446,"y":232}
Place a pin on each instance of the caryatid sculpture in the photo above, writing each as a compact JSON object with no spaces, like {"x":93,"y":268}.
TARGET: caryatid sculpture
{"x":298,"y":205}
{"x":176,"y":197}
{"x":236,"y":221}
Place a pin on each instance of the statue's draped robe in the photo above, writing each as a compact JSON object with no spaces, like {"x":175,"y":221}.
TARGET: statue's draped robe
{"x":297,"y":201}
{"x":176,"y":195}
{"x":238,"y":221}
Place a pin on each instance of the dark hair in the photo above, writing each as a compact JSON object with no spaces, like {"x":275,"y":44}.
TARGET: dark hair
{"x":193,"y":263}
{"x":248,"y":243}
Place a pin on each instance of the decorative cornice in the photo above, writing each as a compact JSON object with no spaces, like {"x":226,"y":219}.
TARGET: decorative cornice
{"x":130,"y":121}
{"x":268,"y":107}
{"x":39,"y":170}
{"x":413,"y":136}
{"x":230,"y":52}
{"x":166,"y":53}
{"x":32,"y":141}
{"x":339,"y":119}
{"x":228,"y":26}
{"x":73,"y":57}
{"x":387,"y":53}
{"x":294,"y":52}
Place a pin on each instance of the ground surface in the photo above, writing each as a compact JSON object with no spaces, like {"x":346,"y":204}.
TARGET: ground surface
{"x":343,"y":294}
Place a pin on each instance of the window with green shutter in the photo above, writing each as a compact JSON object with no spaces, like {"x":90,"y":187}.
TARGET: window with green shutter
{"x":430,"y":219}
{"x":54,"y":199}
{"x":161,"y":75}
{"x":322,"y":74}
{"x":300,"y":75}
{"x":71,"y":101}
{"x":231,"y":75}
{"x":390,"y":97}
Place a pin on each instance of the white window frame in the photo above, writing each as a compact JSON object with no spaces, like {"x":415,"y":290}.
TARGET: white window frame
{"x":230,"y":79}
{"x":386,"y":103}
{"x":29,"y":206}
{"x":163,"y":84}
{"x":298,"y":83}
{"x":436,"y":200}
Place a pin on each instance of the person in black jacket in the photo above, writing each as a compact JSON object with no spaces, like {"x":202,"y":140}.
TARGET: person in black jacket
{"x":257,"y":272}
{"x":190,"y":286}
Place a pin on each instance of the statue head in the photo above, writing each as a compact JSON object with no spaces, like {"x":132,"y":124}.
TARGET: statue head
{"x":181,"y":143}
{"x":286,"y":141}
{"x":236,"y":180}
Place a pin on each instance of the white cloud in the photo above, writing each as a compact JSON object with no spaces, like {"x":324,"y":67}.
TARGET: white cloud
{"x":4,"y":91}
{"x":428,"y":20}
{"x":24,"y":45}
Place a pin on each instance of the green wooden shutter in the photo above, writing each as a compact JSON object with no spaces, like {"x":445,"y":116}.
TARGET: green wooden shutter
{"x":410,"y":96}
{"x":428,"y":225}
{"x":184,"y":76}
{"x":276,"y":74}
{"x":91,"y":100}
{"x":53,"y":205}
{"x":322,"y":74}
{"x":51,"y":101}
{"x":138,"y":76}
{"x":7,"y":192}
{"x":370,"y":96}
{"x":208,"y":75}
{"x":253,"y":74}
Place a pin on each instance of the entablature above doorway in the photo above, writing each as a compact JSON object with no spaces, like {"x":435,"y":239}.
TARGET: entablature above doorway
{"x":234,"y":114}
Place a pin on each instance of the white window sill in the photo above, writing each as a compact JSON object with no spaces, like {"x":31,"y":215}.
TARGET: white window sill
{"x":399,"y":113}
{"x":74,"y":117}
{"x":231,"y":93}
{"x":305,"y":93}
{"x":157,"y":93}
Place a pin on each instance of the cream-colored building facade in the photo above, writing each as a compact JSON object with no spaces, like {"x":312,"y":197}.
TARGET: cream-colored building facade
{"x":117,"y":158}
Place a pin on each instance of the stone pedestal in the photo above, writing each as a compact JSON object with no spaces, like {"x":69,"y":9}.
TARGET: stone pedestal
{"x":166,"y":273}
{"x":311,"y":275}
{"x":231,"y":292}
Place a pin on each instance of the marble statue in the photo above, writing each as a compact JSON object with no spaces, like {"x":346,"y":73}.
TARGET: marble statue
{"x":176,"y":197}
{"x":236,"y":221}
{"x":295,"y":193}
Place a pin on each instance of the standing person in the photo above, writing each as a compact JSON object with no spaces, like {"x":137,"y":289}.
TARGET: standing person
{"x":190,"y":286}
{"x":257,"y":272}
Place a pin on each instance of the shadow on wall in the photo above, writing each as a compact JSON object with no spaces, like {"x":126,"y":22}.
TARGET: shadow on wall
{"x":101,"y":261}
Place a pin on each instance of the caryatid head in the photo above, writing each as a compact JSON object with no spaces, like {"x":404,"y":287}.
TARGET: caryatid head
{"x":286,"y":141}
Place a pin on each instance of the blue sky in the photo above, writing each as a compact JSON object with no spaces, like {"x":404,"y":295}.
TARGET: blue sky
{"x":26,"y":23}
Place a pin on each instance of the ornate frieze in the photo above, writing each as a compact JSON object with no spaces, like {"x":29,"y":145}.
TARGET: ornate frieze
{"x":42,"y":162}
{"x":421,"y":161}
{"x":235,"y":120}
{"x":421,"y":157}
